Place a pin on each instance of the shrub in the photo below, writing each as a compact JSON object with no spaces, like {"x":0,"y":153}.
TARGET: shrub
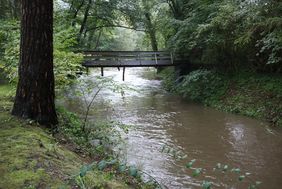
{"x":202,"y":85}
{"x":9,"y":49}
{"x":67,"y":64}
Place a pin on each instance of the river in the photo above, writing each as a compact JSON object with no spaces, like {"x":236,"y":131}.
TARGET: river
{"x":162,"y":121}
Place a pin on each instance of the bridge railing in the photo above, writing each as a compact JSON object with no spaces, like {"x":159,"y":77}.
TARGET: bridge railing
{"x":127,"y":58}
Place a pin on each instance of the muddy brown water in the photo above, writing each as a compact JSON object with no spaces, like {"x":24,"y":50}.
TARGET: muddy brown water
{"x":159,"y":119}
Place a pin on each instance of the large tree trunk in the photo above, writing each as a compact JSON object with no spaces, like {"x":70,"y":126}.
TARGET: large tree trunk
{"x":35,"y":92}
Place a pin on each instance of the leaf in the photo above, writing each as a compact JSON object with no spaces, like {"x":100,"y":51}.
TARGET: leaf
{"x":183,"y":157}
{"x":122,"y":168}
{"x":218,"y":166}
{"x":190,"y":164}
{"x":236,"y":170}
{"x":241,"y":178}
{"x":206,"y":185}
{"x":112,"y":162}
{"x":252,"y":186}
{"x":102,"y":165}
{"x":197,"y":172}
{"x":83,"y":170}
{"x":225,"y":168}
{"x":133,"y":171}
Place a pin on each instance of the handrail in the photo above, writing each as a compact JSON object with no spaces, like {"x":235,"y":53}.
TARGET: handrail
{"x":127,"y":58}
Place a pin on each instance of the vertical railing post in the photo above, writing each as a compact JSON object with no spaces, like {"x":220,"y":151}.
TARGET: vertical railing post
{"x":156,"y":59}
{"x":139,"y":58}
{"x":123,"y":73}
{"x":171,"y":57}
{"x":102,"y":71}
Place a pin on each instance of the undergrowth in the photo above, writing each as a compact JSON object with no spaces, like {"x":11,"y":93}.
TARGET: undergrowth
{"x":254,"y":95}
{"x":32,"y":156}
{"x":98,"y":142}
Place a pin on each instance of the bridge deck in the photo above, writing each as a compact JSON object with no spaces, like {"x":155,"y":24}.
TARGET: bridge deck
{"x":128,"y":59}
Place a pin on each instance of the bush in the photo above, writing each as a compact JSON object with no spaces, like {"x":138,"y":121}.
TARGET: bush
{"x":169,"y":79}
{"x":9,"y":49}
{"x":67,"y":66}
{"x":202,"y":86}
{"x":66,"y":63}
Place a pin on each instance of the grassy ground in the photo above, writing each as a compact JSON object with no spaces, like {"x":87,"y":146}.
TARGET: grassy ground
{"x":258,"y":96}
{"x":254,"y":95}
{"x":30,"y":157}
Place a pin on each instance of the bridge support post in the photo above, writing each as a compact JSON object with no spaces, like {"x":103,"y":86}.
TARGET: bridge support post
{"x":123,"y":74}
{"x":102,"y":71}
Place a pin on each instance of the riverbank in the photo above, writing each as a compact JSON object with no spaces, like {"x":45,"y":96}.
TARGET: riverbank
{"x":33,"y":157}
{"x":254,"y":95}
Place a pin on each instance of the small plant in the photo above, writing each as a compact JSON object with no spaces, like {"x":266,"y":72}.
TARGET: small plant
{"x":224,"y":169}
{"x":114,"y":167}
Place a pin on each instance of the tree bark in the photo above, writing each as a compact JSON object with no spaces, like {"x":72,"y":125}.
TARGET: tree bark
{"x":76,"y":12}
{"x":86,"y":14}
{"x":35,"y":92}
{"x":176,"y":9}
{"x":151,"y":31}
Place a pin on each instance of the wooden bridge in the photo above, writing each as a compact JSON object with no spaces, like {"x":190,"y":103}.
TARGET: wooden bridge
{"x":128,"y":59}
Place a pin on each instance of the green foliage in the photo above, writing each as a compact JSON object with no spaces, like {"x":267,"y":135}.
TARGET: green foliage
{"x":67,"y":66}
{"x":70,"y":122}
{"x":224,"y":169}
{"x":9,"y":49}
{"x":272,"y":44}
{"x":190,"y":164}
{"x":110,"y":171}
{"x":133,"y":171}
{"x":200,"y":85}
{"x":233,"y":34}
{"x":176,"y":153}
{"x":197,"y":172}
{"x":206,"y":185}
{"x":254,"y":95}
{"x":169,"y":79}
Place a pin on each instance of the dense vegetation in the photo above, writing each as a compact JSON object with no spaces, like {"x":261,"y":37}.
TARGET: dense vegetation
{"x":234,"y":35}
{"x":251,"y":94}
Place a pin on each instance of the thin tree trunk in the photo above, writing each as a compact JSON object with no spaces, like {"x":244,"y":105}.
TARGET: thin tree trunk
{"x":83,"y":24}
{"x":98,"y":40}
{"x":176,"y":9}
{"x":152,"y":32}
{"x":76,"y":12}
{"x":35,"y":92}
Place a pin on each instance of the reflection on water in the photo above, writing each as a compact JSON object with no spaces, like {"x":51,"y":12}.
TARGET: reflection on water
{"x":207,"y":135}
